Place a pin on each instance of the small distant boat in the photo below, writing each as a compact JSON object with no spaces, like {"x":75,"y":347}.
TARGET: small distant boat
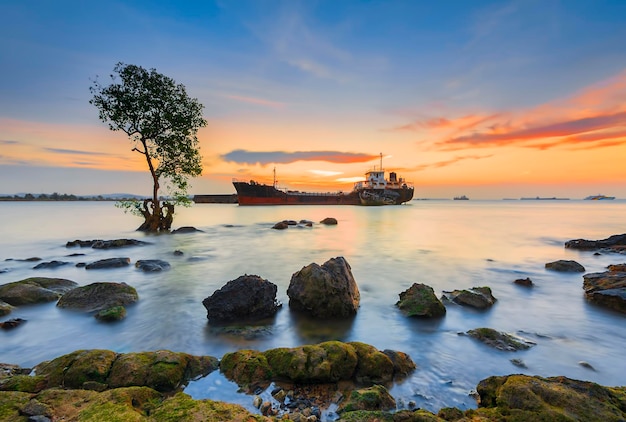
{"x":599,"y":198}
{"x":461,"y":198}
{"x":540,"y":198}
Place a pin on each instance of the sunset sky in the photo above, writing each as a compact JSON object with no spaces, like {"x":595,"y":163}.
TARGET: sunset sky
{"x":489,"y":99}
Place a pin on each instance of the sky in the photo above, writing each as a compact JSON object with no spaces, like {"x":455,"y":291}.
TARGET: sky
{"x":489,"y":99}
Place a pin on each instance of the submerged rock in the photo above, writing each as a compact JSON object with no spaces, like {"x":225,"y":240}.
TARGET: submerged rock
{"x":476,"y":297}
{"x":500,"y":340}
{"x":608,"y":288}
{"x":329,"y":221}
{"x":35,"y":290}
{"x":186,"y":229}
{"x":325,"y":291}
{"x":105,"y":244}
{"x":248,"y":297}
{"x":50,"y":264}
{"x":564,"y":265}
{"x":420,"y":300}
{"x":526,"y":282}
{"x":5,"y":308}
{"x":12,"y":323}
{"x":108,"y":263}
{"x":152,"y":265}
{"x":96,"y":297}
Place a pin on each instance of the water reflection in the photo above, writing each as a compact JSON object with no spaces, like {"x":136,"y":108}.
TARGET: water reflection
{"x":315,"y":330}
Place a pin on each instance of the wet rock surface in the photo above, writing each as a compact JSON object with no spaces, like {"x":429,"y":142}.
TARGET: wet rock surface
{"x":420,"y":300}
{"x":152,"y":265}
{"x":615,"y":243}
{"x":105,"y":244}
{"x":35,"y":290}
{"x":97,"y":297}
{"x":564,"y":265}
{"x":108,"y":263}
{"x":325,"y":291}
{"x":607,"y":289}
{"x":476,"y":297}
{"x":500,"y":340}
{"x":248,"y":297}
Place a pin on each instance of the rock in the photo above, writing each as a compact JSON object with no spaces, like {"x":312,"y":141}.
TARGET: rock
{"x":419,"y":300}
{"x":325,"y":291}
{"x":327,"y":362}
{"x":5,"y":308}
{"x":307,"y":223}
{"x":615,"y":243}
{"x":373,"y":398}
{"x":36,"y":408}
{"x":607,"y":289}
{"x":533,"y":398}
{"x":281,"y":225}
{"x":178,"y":252}
{"x":518,"y":362}
{"x":105,"y":244}
{"x":152,"y":265}
{"x":50,"y":264}
{"x":35,"y":290}
{"x":248,"y":297}
{"x":161,"y":370}
{"x":115,"y":313}
{"x":500,"y":340}
{"x":12,"y":323}
{"x":586,"y":365}
{"x":526,"y":282}
{"x":476,"y":297}
{"x":186,"y":229}
{"x":96,"y":297}
{"x":329,"y":221}
{"x":108,"y":263}
{"x":563,"y":265}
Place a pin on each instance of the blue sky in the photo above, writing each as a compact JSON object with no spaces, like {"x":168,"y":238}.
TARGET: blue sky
{"x":300,"y":80}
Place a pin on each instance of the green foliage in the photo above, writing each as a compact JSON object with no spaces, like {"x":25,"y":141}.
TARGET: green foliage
{"x":161,"y":120}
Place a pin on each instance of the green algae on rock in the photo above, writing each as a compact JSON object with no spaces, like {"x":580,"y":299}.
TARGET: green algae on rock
{"x":420,"y":300}
{"x":499,"y":340}
{"x":35,"y":290}
{"x":375,"y":397}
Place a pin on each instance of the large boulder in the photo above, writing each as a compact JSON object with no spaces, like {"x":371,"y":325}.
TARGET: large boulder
{"x":248,"y":297}
{"x":161,"y":370}
{"x":564,"y":265}
{"x":35,"y":290}
{"x":420,"y":300}
{"x":375,"y":397}
{"x":608,"y":288}
{"x":325,"y":291}
{"x":533,"y":398}
{"x":615,"y":243}
{"x":476,"y":297}
{"x":96,"y":297}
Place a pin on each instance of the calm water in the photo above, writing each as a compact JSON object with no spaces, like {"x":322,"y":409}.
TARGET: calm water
{"x":445,"y":244}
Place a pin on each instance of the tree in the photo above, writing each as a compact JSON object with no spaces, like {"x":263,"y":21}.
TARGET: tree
{"x":162,"y":122}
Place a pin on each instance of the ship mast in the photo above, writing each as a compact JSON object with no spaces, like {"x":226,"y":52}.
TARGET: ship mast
{"x":381,"y":161}
{"x":274,"y":178}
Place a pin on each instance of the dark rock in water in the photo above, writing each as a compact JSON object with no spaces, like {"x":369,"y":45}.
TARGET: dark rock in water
{"x":476,"y":297}
{"x":96,"y":297}
{"x":564,"y":265}
{"x":75,"y":254}
{"x":115,"y":313}
{"x":616,"y":243}
{"x":307,"y":223}
{"x":329,"y":221}
{"x":402,"y":363}
{"x":12,"y":323}
{"x":50,"y":264}
{"x":518,"y":362}
{"x":5,"y":308}
{"x":526,"y":282}
{"x":108,"y":263}
{"x":105,"y":244}
{"x":178,"y":252}
{"x":248,"y":297}
{"x":607,"y":289}
{"x":31,"y":259}
{"x":281,"y":225}
{"x":500,"y":340}
{"x":81,"y":265}
{"x":186,"y":229}
{"x":35,"y":290}
{"x":151,"y":265}
{"x":325,"y":291}
{"x":534,"y":398}
{"x":420,"y":300}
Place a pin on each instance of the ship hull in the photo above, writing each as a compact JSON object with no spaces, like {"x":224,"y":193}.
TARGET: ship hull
{"x":260,"y":194}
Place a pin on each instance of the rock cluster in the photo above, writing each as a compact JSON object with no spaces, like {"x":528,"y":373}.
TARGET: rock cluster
{"x":608,"y":288}
{"x":615,"y":243}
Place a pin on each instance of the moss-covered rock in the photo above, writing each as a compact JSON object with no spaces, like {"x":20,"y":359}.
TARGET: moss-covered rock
{"x":76,"y":368}
{"x":420,"y":300}
{"x":10,"y":404}
{"x":96,"y":297}
{"x":5,"y":308}
{"x":24,"y":383}
{"x":373,"y":365}
{"x":476,"y":297}
{"x":499,"y":340}
{"x":182,"y":407}
{"x":373,"y":398}
{"x":248,"y":368}
{"x":403,"y":365}
{"x":522,"y":397}
{"x":115,"y":313}
{"x":35,"y":290}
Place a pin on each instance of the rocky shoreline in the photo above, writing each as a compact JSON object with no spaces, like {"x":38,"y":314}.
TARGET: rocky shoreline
{"x":351,"y":380}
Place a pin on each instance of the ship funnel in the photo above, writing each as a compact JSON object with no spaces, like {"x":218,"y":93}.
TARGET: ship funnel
{"x":393,"y":177}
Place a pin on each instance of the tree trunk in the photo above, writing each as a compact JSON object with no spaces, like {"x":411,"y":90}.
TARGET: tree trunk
{"x":154,"y":221}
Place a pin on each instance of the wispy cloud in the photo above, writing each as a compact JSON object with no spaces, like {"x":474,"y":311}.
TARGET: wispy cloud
{"x":255,"y":101}
{"x":326,"y":173}
{"x":449,"y":162}
{"x":241,"y":156}
{"x":74,"y":152}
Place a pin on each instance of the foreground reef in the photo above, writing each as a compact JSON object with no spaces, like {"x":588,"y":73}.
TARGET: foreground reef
{"x":99,"y":385}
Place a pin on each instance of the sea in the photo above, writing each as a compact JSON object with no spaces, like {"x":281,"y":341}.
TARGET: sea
{"x":442,"y":243}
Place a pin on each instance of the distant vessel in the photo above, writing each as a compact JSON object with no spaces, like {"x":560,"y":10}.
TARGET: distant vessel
{"x":538,"y":198}
{"x":374,"y":190}
{"x":599,"y":197}
{"x":461,"y":198}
